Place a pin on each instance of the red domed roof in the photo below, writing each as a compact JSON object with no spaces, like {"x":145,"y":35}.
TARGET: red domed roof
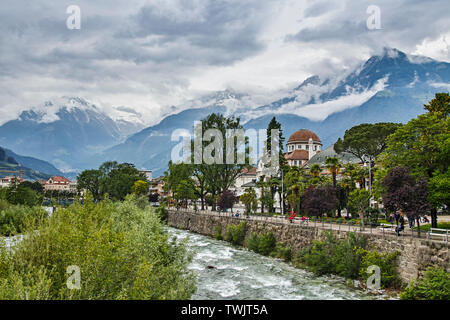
{"x":303,"y":135}
{"x":297,"y":155}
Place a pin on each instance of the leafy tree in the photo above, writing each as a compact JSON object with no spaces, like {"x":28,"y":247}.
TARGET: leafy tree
{"x":185,"y":191}
{"x":423,"y":146}
{"x":439,"y":186}
{"x":249,"y":200}
{"x":221,"y":176}
{"x":140,"y":187}
{"x":112,"y":178}
{"x":21,"y":194}
{"x":439,"y":105}
{"x":35,"y":186}
{"x":319,"y":200}
{"x":366,"y":140}
{"x":90,"y":180}
{"x":402,"y":192}
{"x":120,"y":179}
{"x":176,"y":173}
{"x":358,"y":201}
{"x":227,"y":200}
{"x":201,"y":183}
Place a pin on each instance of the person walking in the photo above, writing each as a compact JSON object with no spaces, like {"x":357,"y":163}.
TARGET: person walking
{"x":391,"y":218}
{"x":400,"y":224}
{"x":397,"y":217}
{"x":411,"y":223}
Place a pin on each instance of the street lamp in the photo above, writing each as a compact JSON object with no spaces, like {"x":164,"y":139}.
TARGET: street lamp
{"x":369,"y":161}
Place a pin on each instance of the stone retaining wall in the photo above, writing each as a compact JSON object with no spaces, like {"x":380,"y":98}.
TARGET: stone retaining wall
{"x":416,"y":254}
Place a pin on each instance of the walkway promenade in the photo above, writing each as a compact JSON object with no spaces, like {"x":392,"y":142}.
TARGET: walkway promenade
{"x":382,"y":231}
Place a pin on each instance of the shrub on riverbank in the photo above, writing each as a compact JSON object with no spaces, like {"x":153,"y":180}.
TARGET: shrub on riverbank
{"x":236,"y":234}
{"x":253,"y":242}
{"x":14,"y":217}
{"x":162,"y":213}
{"x":122,"y":251}
{"x":332,"y":255}
{"x":264,"y":244}
{"x":267,"y":243}
{"x":348,"y":258}
{"x":282,"y":252}
{"x":435,"y":285}
{"x":388,"y":264}
{"x":218,"y":232}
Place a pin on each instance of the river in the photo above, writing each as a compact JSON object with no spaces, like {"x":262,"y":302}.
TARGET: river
{"x":240,"y":274}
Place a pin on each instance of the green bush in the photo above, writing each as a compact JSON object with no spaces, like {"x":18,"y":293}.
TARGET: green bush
{"x":236,"y":234}
{"x":4,"y":204}
{"x":123,"y":252}
{"x":346,"y":257}
{"x":218,"y":232}
{"x":253,"y":242}
{"x":162,"y":213}
{"x":14,"y":217}
{"x":267,"y":243}
{"x":371,"y":216}
{"x":387,"y":263}
{"x":435,"y":285}
{"x":332,"y":255}
{"x":282,"y":252}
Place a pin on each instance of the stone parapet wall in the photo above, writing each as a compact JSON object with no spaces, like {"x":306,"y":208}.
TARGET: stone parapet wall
{"x":416,"y":254}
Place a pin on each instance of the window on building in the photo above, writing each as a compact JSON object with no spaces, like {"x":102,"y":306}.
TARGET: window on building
{"x":315,"y":148}
{"x":307,"y":147}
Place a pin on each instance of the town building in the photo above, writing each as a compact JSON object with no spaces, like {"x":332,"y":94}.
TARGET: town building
{"x":7,"y":181}
{"x":247,"y":179}
{"x":157,"y":186}
{"x":148,"y":174}
{"x":58,"y":183}
{"x":301,"y":147}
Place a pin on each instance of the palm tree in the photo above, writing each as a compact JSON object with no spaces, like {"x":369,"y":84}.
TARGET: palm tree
{"x":334,"y":166}
{"x":261,"y":184}
{"x":315,"y":170}
{"x":274,"y":184}
{"x":295,"y":185}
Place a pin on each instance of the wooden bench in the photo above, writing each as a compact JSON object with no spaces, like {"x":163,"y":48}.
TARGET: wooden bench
{"x":439,"y":233}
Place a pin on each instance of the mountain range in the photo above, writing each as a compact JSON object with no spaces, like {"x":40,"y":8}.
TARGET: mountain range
{"x":33,"y":169}
{"x":73,"y":134}
{"x":65,"y":132}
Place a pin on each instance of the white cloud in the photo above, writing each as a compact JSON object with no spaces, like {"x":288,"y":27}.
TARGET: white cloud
{"x":150,"y":56}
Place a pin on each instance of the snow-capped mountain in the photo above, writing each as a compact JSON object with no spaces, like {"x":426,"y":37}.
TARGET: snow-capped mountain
{"x":72,"y":133}
{"x":388,"y":87}
{"x":65,"y":132}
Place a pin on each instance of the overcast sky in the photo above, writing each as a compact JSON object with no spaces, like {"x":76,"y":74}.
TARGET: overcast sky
{"x":149,"y":55}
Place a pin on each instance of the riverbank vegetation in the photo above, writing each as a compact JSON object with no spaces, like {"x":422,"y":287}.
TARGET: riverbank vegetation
{"x":122,"y":251}
{"x":348,"y":257}
{"x":435,"y":285}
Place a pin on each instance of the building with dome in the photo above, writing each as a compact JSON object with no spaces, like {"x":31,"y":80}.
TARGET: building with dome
{"x":301,"y":147}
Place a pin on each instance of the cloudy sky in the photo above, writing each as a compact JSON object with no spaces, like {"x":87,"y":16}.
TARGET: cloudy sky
{"x":150,"y":55}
